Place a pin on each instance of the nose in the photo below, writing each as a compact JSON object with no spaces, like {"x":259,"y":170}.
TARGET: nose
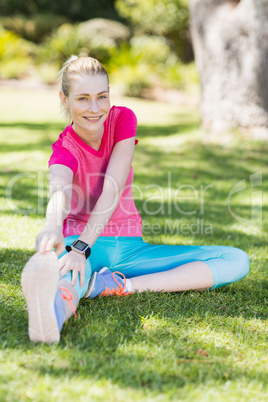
{"x":94,"y":106}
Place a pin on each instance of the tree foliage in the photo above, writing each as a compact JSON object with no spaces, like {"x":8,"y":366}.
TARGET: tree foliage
{"x":168,"y":18}
{"x":155,"y":16}
{"x":74,"y":10}
{"x":15,"y":55}
{"x":142,"y":49}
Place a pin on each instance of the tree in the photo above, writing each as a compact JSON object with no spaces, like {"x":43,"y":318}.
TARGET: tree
{"x":230,"y":39}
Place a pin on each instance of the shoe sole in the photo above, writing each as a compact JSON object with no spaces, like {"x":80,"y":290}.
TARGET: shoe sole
{"x":92,"y":282}
{"x":39,"y":280}
{"x":91,"y":285}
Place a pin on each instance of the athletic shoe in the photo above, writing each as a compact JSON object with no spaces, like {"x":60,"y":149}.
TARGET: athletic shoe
{"x":40,"y":285}
{"x":106,"y":283}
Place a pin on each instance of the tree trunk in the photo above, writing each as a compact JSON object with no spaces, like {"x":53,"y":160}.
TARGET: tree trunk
{"x":230,"y":39}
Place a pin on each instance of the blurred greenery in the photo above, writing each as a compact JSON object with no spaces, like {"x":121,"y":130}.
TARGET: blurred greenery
{"x":147,"y":62}
{"x":35,"y":27}
{"x":77,"y":39}
{"x":64,"y":42}
{"x":147,"y":49}
{"x":15,"y":55}
{"x":168,"y":18}
{"x":74,"y":10}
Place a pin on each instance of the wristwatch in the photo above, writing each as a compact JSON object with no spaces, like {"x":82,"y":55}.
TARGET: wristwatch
{"x":80,"y":247}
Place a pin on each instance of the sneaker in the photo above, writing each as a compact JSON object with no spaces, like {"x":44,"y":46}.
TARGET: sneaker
{"x":40,"y":285}
{"x":106,"y":283}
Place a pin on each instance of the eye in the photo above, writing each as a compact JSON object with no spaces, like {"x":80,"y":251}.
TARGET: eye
{"x":103,"y":97}
{"x":82,"y":98}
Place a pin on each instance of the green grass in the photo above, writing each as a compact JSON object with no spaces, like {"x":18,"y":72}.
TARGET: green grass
{"x":189,"y":346}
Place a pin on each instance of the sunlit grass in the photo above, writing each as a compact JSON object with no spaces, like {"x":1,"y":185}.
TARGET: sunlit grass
{"x":201,"y":346}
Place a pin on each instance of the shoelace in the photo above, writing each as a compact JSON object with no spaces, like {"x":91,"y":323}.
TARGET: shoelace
{"x":69,"y":298}
{"x":118,"y":290}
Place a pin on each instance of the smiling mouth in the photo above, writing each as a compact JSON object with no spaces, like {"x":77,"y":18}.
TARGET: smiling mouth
{"x":93,"y":119}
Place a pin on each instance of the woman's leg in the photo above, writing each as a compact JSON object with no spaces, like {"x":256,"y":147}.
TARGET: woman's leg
{"x":76,"y":292}
{"x":196,"y":267}
{"x":178,"y":268}
{"x":103,"y":253}
{"x":194,"y":275}
{"x":51,"y":300}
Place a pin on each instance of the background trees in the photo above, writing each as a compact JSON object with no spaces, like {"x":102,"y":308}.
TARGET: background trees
{"x":230,"y":39}
{"x":143,"y":44}
{"x":166,"y":18}
{"x":147,"y":44}
{"x":78,"y":10}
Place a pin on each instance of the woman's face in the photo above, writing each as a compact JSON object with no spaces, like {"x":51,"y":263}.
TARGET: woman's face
{"x":88,"y":102}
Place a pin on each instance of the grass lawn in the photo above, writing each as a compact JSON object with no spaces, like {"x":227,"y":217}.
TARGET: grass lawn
{"x":188,"y":346}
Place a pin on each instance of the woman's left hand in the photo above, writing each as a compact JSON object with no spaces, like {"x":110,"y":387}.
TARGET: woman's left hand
{"x":75,"y":262}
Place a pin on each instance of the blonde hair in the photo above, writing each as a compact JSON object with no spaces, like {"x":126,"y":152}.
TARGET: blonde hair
{"x":79,"y":66}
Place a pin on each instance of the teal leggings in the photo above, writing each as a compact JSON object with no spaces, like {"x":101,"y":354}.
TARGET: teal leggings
{"x":133,"y":257}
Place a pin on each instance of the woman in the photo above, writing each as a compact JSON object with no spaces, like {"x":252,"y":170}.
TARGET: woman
{"x":91,"y":211}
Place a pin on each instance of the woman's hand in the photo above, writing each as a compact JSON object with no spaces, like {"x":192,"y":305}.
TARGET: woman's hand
{"x":75,"y":262}
{"x":48,"y":239}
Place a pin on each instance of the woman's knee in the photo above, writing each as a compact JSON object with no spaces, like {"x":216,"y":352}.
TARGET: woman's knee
{"x":232,"y":265}
{"x":241,"y":261}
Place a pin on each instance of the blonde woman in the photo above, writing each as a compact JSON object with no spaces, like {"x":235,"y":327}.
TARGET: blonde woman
{"x":92,"y":243}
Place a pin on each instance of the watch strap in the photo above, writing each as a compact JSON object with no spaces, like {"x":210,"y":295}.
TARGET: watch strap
{"x":68,"y":248}
{"x":88,"y":252}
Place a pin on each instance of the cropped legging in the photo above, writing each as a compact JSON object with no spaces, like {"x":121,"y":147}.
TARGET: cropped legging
{"x":133,"y":257}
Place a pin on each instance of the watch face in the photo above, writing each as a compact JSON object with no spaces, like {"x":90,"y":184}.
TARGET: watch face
{"x":80,"y":245}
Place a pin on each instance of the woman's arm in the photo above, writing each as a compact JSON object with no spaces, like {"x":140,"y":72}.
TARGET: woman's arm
{"x":115,"y":179}
{"x":59,"y":206}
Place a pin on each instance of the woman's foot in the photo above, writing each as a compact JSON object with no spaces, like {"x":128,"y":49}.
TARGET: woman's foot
{"x":106,"y":283}
{"x":40,"y":285}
